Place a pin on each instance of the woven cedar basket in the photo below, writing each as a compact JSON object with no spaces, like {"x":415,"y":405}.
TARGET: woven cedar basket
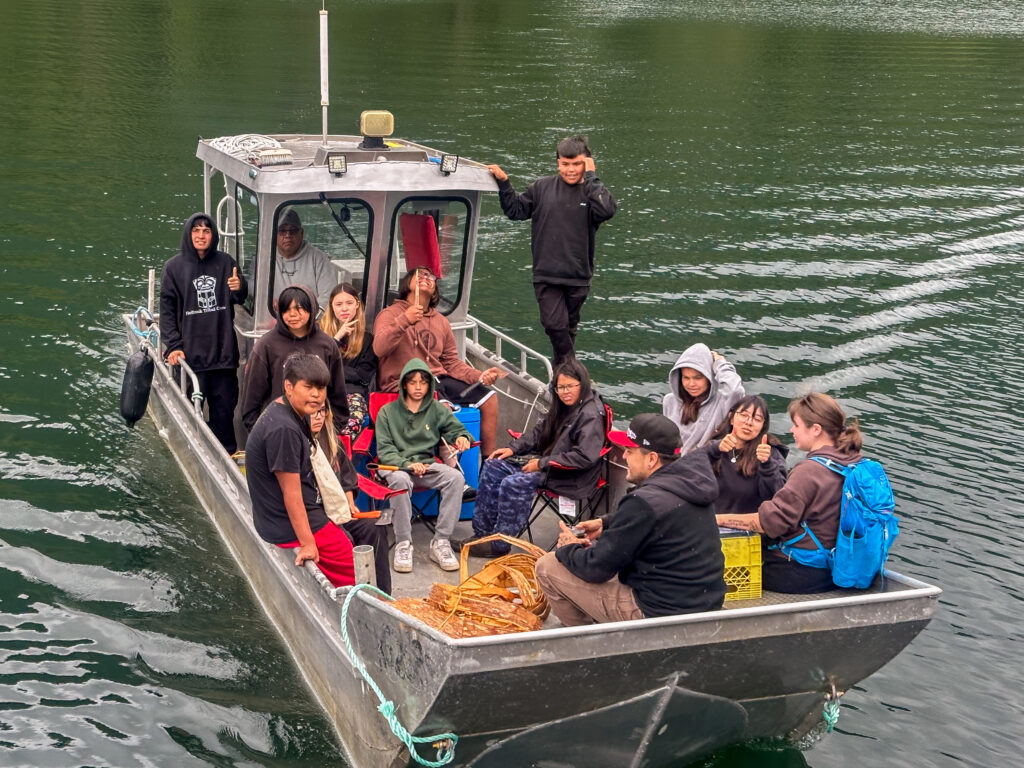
{"x":511,"y":577}
{"x":501,"y":598}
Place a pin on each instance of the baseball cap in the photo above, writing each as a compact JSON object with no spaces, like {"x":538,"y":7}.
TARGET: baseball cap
{"x":650,"y":431}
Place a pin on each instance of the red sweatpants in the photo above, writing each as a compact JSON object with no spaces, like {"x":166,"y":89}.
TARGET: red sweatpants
{"x":335,"y":555}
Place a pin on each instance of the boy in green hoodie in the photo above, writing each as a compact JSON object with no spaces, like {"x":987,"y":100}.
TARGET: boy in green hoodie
{"x":409,"y":433}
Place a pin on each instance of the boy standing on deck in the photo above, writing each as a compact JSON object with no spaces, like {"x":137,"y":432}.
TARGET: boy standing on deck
{"x":198,"y":290}
{"x":566,"y":209}
{"x":287,"y":509}
{"x":409,"y":434}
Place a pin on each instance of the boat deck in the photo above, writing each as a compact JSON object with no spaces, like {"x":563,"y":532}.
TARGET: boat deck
{"x":426,"y":572}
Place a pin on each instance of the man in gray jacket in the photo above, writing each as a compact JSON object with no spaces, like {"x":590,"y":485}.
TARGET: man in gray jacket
{"x":300,"y":263}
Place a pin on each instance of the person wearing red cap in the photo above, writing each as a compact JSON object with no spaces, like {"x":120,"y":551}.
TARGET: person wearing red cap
{"x":658,"y":554}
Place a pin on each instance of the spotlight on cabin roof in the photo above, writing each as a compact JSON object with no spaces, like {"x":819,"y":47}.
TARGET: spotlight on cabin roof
{"x":449,"y":164}
{"x":374,"y":125}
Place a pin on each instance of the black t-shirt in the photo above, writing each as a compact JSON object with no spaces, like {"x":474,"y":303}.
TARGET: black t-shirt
{"x":280,"y":442}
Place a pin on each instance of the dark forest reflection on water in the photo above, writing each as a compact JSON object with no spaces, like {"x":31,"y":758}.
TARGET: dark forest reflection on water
{"x":828,"y":192}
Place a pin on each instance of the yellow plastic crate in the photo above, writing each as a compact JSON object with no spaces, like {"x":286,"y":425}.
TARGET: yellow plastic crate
{"x":742,"y":566}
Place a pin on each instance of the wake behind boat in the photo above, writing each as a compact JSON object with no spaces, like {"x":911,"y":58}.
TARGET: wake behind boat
{"x":654,"y":692}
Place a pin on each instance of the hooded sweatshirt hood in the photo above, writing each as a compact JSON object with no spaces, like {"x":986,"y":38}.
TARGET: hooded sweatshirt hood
{"x":311,"y":324}
{"x":416,"y":364}
{"x":189,"y":250}
{"x":699,"y":358}
{"x":724,"y":389}
{"x":689,"y":478}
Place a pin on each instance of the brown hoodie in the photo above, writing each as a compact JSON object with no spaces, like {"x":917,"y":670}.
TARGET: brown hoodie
{"x":264,"y":373}
{"x":396,"y":342}
{"x":812,"y":495}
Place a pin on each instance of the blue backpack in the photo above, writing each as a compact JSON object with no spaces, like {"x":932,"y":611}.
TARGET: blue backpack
{"x":867,"y":526}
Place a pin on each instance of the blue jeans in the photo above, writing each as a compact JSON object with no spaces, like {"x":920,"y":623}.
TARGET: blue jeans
{"x":503,"y":500}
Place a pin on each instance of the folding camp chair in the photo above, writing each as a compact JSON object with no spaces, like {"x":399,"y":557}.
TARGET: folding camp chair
{"x":569,"y":510}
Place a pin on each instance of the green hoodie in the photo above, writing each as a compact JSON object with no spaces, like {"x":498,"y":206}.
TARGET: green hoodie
{"x":404,"y":437}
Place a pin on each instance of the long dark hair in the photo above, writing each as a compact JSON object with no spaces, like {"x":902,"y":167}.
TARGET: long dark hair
{"x":746,"y":458}
{"x":560,"y":413}
{"x":817,"y":408}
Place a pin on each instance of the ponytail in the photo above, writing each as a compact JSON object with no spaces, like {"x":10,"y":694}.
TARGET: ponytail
{"x":818,"y":408}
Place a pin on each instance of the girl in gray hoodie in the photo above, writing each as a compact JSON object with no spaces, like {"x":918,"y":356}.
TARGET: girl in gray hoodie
{"x":703,"y":387}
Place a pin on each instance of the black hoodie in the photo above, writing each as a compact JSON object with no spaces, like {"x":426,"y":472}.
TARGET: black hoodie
{"x":196,"y":307}
{"x":264,"y":373}
{"x":662,"y":542}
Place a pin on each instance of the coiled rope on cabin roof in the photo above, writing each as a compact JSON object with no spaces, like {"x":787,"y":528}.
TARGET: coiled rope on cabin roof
{"x":447,"y":741}
{"x":244,"y":145}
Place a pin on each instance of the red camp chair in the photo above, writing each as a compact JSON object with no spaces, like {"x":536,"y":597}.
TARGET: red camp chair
{"x":366,"y":444}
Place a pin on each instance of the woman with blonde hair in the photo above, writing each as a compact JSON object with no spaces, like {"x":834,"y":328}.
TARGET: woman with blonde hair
{"x":806,"y":509}
{"x":345,"y":322}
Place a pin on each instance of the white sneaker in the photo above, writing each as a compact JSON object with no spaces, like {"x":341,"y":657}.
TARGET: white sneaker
{"x":403,"y":557}
{"x":441,"y":553}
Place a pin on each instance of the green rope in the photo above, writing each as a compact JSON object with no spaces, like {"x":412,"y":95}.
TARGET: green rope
{"x":830,"y":711}
{"x":446,"y":748}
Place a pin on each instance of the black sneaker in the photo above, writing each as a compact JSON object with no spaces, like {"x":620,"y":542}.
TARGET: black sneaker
{"x":475,"y":550}
{"x":468,"y":493}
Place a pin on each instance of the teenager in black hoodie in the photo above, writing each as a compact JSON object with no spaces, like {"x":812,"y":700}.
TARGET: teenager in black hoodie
{"x":198,"y":290}
{"x":658,"y":554}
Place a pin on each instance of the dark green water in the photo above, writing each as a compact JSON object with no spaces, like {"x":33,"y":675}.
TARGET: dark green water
{"x":829,"y":192}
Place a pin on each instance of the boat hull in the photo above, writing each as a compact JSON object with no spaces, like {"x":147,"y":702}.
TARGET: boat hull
{"x":658,"y":691}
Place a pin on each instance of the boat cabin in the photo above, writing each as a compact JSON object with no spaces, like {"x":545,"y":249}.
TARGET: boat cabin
{"x":376,"y":206}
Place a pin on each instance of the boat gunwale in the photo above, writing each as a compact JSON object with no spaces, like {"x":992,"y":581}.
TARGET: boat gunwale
{"x":918,"y":590}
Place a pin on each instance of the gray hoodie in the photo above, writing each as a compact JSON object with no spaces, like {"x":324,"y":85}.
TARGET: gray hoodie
{"x":726,"y":388}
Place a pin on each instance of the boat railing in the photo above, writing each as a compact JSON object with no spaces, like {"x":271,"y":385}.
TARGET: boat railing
{"x":185,"y":376}
{"x":500,"y":341}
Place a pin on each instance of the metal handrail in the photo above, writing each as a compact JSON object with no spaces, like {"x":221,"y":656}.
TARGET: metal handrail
{"x":473,"y":325}
{"x":239,"y":232}
{"x":197,"y":395}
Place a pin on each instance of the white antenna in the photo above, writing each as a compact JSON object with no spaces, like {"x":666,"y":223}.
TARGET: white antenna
{"x":324,"y":88}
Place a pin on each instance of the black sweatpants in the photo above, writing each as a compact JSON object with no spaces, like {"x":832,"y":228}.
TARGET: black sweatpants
{"x":560,"y":307}
{"x":220,"y":388}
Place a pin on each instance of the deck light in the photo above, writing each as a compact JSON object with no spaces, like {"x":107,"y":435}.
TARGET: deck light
{"x":337,"y":164}
{"x":374,"y":125}
{"x":449,"y":164}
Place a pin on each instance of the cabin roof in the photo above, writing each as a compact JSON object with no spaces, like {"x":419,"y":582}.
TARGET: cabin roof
{"x":297,"y":164}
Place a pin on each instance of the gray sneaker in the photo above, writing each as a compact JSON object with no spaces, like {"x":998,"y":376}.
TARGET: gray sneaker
{"x":403,"y":556}
{"x":441,"y":553}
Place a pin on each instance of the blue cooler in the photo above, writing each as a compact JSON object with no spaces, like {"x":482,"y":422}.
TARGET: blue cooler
{"x":469,"y":461}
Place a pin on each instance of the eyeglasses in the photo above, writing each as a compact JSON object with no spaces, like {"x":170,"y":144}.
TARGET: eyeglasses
{"x":752,"y":416}
{"x":563,"y":388}
{"x":428,"y":276}
{"x":287,"y":231}
{"x":322,"y":412}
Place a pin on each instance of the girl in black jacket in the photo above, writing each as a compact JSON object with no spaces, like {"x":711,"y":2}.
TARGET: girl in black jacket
{"x":568,"y":440}
{"x":749,"y":462}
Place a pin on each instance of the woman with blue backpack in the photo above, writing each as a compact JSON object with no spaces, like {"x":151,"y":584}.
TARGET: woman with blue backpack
{"x":801,"y":521}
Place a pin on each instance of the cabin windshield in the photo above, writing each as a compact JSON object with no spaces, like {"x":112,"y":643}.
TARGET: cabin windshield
{"x":320,"y":244}
{"x":430,"y":232}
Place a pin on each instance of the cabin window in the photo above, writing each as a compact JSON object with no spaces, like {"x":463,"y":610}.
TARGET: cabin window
{"x":430,"y":232}
{"x":244,"y":243}
{"x":331,"y":245}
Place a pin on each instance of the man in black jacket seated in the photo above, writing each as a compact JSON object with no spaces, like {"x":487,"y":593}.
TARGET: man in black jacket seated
{"x":658,"y":554}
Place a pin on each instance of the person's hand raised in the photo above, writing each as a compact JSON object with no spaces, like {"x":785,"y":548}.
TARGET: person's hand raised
{"x":414,"y":314}
{"x":234,"y":282}
{"x":764,"y":451}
